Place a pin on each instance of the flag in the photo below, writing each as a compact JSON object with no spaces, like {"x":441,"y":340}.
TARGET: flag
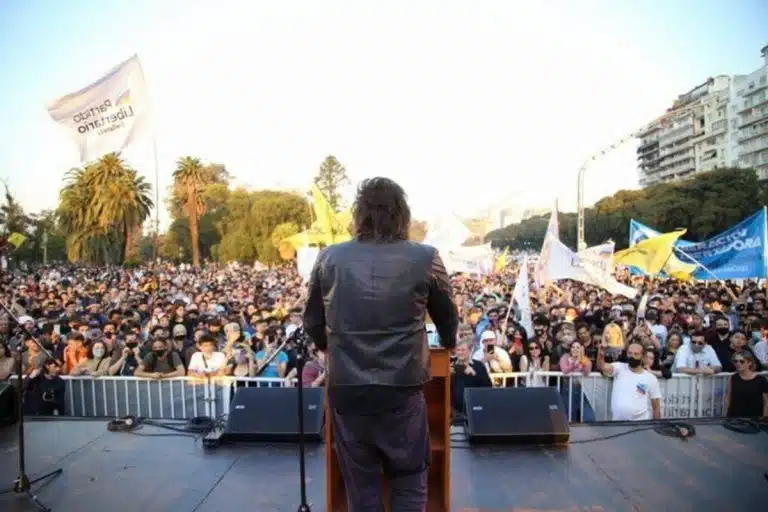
{"x":107,"y":115}
{"x":522,"y":296}
{"x":563,"y":263}
{"x":324,"y":214}
{"x":16,"y":239}
{"x":677,"y":269}
{"x":600,"y":257}
{"x":502,"y":260}
{"x":650,"y":255}
{"x":552,"y":233}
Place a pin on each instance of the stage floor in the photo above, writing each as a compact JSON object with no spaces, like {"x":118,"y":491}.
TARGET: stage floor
{"x":115,"y":472}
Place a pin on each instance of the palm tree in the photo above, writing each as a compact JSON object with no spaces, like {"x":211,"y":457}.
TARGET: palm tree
{"x":189,"y":179}
{"x":102,"y":208}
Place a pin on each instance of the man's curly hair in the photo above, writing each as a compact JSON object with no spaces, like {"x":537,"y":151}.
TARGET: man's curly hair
{"x":381,"y":213}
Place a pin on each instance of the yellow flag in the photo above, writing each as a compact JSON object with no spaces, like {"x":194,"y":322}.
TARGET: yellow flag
{"x":501,"y":261}
{"x":677,"y":269}
{"x":16,"y":239}
{"x":650,"y":255}
{"x":324,"y":214}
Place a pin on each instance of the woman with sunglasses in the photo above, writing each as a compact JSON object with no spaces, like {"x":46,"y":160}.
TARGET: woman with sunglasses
{"x":533,"y":361}
{"x":747,"y":393}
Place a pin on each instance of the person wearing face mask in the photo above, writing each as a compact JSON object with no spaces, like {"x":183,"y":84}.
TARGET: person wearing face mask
{"x":636,"y":394}
{"x":126,"y":360}
{"x":97,"y":362}
{"x":161,"y":363}
{"x":697,"y":357}
{"x":720,"y":336}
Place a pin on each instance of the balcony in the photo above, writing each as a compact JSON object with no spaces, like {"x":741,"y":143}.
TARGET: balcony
{"x":751,"y":134}
{"x":747,"y":121}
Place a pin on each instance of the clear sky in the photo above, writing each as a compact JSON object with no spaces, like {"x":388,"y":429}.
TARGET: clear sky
{"x":467,"y":104}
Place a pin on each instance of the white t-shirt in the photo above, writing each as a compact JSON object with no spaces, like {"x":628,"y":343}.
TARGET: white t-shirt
{"x":211,"y":364}
{"x":687,"y":358}
{"x":632,"y":393}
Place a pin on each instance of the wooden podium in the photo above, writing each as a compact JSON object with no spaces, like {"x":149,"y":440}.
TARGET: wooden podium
{"x":438,"y":395}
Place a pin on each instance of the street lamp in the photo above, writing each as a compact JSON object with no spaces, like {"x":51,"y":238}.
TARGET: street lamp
{"x":581,"y":244}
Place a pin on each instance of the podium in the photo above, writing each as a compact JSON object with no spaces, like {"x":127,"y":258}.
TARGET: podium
{"x":437,"y":393}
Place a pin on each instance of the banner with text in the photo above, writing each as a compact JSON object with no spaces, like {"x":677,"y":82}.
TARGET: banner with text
{"x":737,"y":253}
{"x":107,"y":115}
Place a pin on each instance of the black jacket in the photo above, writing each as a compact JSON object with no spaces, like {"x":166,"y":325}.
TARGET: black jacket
{"x":367,"y":303}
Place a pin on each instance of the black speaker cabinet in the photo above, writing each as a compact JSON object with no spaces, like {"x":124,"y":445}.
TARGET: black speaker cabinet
{"x":7,"y":404}
{"x":271,"y":414}
{"x":515,"y":416}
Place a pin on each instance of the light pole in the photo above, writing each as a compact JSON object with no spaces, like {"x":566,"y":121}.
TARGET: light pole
{"x":581,"y":244}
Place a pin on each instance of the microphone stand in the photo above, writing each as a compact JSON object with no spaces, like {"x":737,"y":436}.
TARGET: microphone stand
{"x":23,"y":485}
{"x":301,"y":355}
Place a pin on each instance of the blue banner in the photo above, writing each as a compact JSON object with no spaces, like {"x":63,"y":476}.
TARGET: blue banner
{"x":737,"y":253}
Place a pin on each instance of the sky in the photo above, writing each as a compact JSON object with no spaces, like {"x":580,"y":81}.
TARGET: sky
{"x":469,"y":105}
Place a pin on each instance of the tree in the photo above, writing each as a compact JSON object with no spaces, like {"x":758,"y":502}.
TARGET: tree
{"x":705,"y":205}
{"x":101,"y":210}
{"x":250,"y":220}
{"x":329,"y":179}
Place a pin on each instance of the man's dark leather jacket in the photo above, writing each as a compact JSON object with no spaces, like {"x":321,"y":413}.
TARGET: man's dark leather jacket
{"x":367,"y":304}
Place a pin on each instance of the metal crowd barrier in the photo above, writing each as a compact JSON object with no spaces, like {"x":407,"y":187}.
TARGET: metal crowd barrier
{"x":586,"y":397}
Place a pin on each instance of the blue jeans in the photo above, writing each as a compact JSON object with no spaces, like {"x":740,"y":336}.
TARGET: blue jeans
{"x":575,"y":403}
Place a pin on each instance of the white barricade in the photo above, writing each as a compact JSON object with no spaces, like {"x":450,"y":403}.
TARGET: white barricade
{"x":682,"y":396}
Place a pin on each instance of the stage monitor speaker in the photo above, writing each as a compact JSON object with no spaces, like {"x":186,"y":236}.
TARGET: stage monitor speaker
{"x":515,"y":416}
{"x":269,"y":414}
{"x":7,"y":404}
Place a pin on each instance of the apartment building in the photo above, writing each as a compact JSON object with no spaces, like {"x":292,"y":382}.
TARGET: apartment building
{"x":692,"y":136}
{"x":750,"y":118}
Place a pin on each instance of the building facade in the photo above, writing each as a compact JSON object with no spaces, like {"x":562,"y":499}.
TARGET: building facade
{"x":692,"y":136}
{"x":750,"y":119}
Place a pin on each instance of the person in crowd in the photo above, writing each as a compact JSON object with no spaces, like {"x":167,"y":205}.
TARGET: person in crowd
{"x":313,"y":375}
{"x":651,"y":363}
{"x":466,"y":373}
{"x":33,"y":359}
{"x":739,"y":342}
{"x":747,"y":392}
{"x":761,"y":346}
{"x":719,"y":338}
{"x":636,"y":394}
{"x":45,"y":391}
{"x":126,"y":360}
{"x":698,"y":357}
{"x":96,"y":364}
{"x":275,"y":366}
{"x":242,"y":361}
{"x":75,"y":352}
{"x":533,"y":361}
{"x":161,"y":363}
{"x":572,"y":364}
{"x":209,"y":361}
{"x":6,"y":363}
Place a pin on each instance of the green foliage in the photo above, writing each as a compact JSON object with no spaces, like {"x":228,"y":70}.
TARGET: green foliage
{"x":329,"y":179}
{"x":705,"y":205}
{"x":101,"y":210}
{"x":250,"y":219}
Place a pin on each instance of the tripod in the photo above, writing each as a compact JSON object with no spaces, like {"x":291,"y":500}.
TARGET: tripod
{"x":23,"y":485}
{"x":302,"y":343}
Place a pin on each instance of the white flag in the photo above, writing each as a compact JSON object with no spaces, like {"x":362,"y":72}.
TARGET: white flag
{"x":107,"y":115}
{"x":305,"y":261}
{"x":553,"y":233}
{"x":600,"y":257}
{"x":522,"y":295}
{"x":563,"y":263}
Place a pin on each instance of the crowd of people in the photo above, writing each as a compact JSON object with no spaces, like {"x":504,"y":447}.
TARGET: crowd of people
{"x":169,"y":321}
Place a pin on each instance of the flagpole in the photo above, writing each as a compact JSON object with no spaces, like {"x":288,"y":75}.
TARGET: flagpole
{"x":695,"y":261}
